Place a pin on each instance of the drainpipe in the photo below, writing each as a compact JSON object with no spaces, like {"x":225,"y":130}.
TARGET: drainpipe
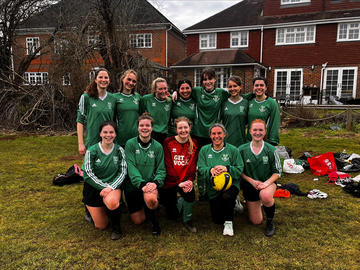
{"x":321,"y":81}
{"x":166,"y":48}
{"x":261,"y":44}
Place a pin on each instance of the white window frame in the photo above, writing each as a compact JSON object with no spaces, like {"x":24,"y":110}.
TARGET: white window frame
{"x":207,"y":41}
{"x":292,"y":2}
{"x":339,"y":81}
{"x":238,"y":36}
{"x":288,"y":82}
{"x":143,"y":40}
{"x":32,"y":44}
{"x":66,"y":81}
{"x":222,"y":75}
{"x":350,"y":29}
{"x":283,"y":34}
{"x":36,"y":78}
{"x":60,"y":45}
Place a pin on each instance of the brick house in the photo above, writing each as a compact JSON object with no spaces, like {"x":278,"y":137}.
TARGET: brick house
{"x":153,"y":36}
{"x":307,"y":48}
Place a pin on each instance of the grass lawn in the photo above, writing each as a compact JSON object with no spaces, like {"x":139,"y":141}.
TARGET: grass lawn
{"x":42,"y":226}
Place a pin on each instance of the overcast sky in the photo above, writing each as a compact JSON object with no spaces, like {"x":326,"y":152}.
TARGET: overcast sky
{"x":185,"y":13}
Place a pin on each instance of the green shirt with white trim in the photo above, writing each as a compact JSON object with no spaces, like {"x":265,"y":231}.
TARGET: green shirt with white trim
{"x":182,"y":107}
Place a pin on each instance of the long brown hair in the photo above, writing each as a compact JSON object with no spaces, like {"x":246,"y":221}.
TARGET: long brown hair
{"x":125,"y":73}
{"x":191,"y":142}
{"x":91,"y":89}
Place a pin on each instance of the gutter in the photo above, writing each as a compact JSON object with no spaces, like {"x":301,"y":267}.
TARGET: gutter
{"x":261,"y":44}
{"x":220,"y":65}
{"x":321,"y":81}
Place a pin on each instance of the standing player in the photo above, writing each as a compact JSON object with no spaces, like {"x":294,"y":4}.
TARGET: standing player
{"x":145,"y":159}
{"x":262,"y":168}
{"x":96,"y":105}
{"x":104,"y":171}
{"x":215,"y":159}
{"x":264,"y":108}
{"x":234,"y":113}
{"x":183,"y":106}
{"x":127,"y":107}
{"x":181,"y":154}
{"x":158,"y":104}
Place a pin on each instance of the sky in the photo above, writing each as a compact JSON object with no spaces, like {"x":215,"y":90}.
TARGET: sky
{"x":185,"y":13}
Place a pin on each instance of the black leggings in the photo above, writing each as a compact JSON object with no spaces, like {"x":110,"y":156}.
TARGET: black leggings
{"x":222,"y":206}
{"x":168,"y":198}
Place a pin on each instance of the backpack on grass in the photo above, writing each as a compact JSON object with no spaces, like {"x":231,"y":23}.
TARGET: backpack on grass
{"x":73,"y":175}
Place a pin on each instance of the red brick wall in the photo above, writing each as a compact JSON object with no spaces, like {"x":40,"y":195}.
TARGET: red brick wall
{"x":192,"y":44}
{"x":326,"y":49}
{"x":223,"y":40}
{"x":176,"y":48}
{"x":273,"y":7}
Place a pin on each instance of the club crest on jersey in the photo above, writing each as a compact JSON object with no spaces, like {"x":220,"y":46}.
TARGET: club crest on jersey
{"x":242,"y":109}
{"x":167,"y":107}
{"x":178,"y":104}
{"x":262,"y":109}
{"x":137,"y":151}
{"x":216,"y":98}
{"x":225,"y":157}
{"x":266,"y":160}
{"x":116,"y":159}
{"x":251,"y":105}
{"x":135,"y":101}
{"x":153,"y":104}
{"x":192,"y":107}
{"x":202,"y":96}
{"x":210,"y":156}
{"x":151,"y":154}
{"x":121,"y":100}
{"x":174,"y":150}
{"x":109,"y":105}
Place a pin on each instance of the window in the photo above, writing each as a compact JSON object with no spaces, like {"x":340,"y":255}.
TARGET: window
{"x":141,"y":40}
{"x":288,"y":82}
{"x":208,"y":41}
{"x":348,"y":31}
{"x":295,"y":35}
{"x":60,"y":45}
{"x":66,"y":79}
{"x":239,"y":39}
{"x":36,"y":78}
{"x":289,"y":2}
{"x":94,"y":40}
{"x":32,"y":44}
{"x":340,"y":82}
{"x":222,"y":76}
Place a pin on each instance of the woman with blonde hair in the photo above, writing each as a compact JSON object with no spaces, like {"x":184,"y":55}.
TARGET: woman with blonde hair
{"x":158,"y":104}
{"x":180,"y":153}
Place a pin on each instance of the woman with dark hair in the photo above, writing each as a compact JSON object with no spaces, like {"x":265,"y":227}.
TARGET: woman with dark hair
{"x":96,"y":105}
{"x":214,"y":159}
{"x":181,"y":154}
{"x":264,"y":108}
{"x":127,"y":107}
{"x":234,"y":113}
{"x":183,"y":106}
{"x":262,"y":168}
{"x":158,"y":105}
{"x":145,"y":159}
{"x":104,"y":171}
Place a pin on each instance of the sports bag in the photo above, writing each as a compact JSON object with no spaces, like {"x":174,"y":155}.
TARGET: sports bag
{"x":291,"y":167}
{"x":322,"y":164}
{"x":73,"y":175}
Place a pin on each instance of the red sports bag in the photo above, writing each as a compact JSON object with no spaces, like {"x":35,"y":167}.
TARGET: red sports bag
{"x":322,"y":164}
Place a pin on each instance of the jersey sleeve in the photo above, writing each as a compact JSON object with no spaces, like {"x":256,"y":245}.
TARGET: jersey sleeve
{"x":248,"y":96}
{"x":276,"y":164}
{"x":142,"y":105}
{"x":191,"y":170}
{"x":134,"y":173}
{"x":237,"y":166}
{"x":273,"y":124}
{"x":203,"y":167}
{"x":160,"y":171}
{"x":89,"y":175}
{"x":82,"y":110}
{"x":122,"y":171}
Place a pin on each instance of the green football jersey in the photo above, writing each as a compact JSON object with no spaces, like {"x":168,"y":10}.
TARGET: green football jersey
{"x":144,"y":164}
{"x":208,"y":109}
{"x":268,"y":111}
{"x":209,"y":158}
{"x":102,"y":169}
{"x":261,"y":166}
{"x":182,"y":107}
{"x":159,"y":109}
{"x":92,"y":112}
{"x":234,"y":117}
{"x":127,"y":113}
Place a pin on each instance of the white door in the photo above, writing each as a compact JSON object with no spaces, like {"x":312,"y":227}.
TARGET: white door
{"x":340,"y":82}
{"x":288,"y":83}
